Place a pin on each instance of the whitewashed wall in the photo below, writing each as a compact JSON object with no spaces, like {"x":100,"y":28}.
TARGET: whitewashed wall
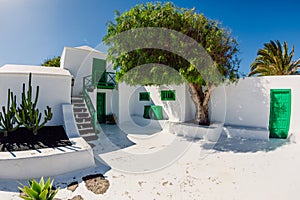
{"x":54,"y":83}
{"x":248,"y":101}
{"x":129,"y":104}
{"x":80,"y":64}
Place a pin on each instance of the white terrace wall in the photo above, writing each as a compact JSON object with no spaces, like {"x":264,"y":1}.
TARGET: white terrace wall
{"x":79,"y":61}
{"x":247,"y":103}
{"x":54,"y":83}
{"x":129,"y":104}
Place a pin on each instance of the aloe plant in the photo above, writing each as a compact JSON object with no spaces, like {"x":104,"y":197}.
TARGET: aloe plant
{"x":27,"y":113}
{"x":7,"y":116}
{"x":38,"y":190}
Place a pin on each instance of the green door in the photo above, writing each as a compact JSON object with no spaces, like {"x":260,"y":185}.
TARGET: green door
{"x":280,"y":113}
{"x":101,"y":107}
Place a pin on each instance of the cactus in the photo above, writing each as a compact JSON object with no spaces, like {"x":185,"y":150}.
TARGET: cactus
{"x":28,"y":114}
{"x":7,"y":116}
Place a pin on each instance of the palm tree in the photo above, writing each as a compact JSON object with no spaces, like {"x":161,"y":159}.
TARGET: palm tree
{"x":271,"y":60}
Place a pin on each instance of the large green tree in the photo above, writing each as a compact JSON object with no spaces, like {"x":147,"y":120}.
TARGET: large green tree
{"x":273,"y":60}
{"x":207,"y":33}
{"x":52,"y":62}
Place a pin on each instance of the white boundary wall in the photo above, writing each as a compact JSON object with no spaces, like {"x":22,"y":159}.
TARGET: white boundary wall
{"x":248,"y":101}
{"x":54,"y":83}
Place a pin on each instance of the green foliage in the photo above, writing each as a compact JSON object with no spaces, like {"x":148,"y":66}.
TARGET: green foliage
{"x":273,"y":60}
{"x":7,"y":116}
{"x":52,"y":62}
{"x":38,"y":190}
{"x":27,"y":113}
{"x":208,"y":33}
{"x":215,"y":40}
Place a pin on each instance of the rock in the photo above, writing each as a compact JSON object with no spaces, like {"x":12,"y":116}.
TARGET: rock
{"x":72,"y":186}
{"x":96,"y":183}
{"x":77,"y":197}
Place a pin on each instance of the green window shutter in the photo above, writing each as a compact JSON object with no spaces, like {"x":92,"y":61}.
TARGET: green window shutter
{"x":168,"y":95}
{"x":99,"y":68}
{"x":144,"y":96}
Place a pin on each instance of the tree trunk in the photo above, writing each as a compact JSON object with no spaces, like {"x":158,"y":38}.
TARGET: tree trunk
{"x":201,"y":100}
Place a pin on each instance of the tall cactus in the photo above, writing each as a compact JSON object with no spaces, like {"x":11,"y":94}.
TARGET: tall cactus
{"x":28,"y":114}
{"x":7,"y":116}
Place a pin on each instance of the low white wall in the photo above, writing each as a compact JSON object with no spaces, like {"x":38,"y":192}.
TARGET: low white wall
{"x":49,"y":161}
{"x":248,"y":101}
{"x":54,"y":87}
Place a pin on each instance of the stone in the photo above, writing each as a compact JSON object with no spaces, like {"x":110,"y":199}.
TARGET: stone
{"x":96,"y":183}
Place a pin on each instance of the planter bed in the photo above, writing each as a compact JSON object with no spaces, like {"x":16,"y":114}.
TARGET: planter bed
{"x":22,"y":139}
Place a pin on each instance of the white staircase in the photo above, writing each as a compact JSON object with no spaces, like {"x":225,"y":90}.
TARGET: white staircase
{"x":83,"y":119}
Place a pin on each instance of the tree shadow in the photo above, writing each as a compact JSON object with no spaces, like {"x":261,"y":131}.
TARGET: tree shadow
{"x":239,"y":145}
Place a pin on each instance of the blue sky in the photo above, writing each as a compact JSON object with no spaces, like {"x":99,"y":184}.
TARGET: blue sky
{"x":33,"y":30}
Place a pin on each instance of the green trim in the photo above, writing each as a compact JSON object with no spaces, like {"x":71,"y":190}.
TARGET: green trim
{"x":280,"y":112}
{"x":168,"y":95}
{"x":144,"y":96}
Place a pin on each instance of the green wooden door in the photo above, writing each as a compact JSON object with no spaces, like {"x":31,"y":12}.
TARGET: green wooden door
{"x":101,"y":103}
{"x":280,"y":112}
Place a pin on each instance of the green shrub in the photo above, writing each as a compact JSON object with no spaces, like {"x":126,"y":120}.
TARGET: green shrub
{"x":38,"y":190}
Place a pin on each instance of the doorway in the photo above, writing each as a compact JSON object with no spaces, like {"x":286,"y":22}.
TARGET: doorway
{"x":280,"y":113}
{"x":101,"y":104}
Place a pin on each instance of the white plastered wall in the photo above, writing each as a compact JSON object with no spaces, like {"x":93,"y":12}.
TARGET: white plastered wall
{"x":129,"y":104}
{"x":54,"y":87}
{"x":80,"y":64}
{"x":248,"y":101}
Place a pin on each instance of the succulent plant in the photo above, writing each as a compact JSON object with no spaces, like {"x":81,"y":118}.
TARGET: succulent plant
{"x":27,"y":113}
{"x":7,"y":116}
{"x":38,"y":190}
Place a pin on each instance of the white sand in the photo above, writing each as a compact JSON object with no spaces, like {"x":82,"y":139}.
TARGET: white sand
{"x":233,"y":169}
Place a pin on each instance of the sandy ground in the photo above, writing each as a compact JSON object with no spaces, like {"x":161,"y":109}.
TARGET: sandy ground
{"x":229,"y":169}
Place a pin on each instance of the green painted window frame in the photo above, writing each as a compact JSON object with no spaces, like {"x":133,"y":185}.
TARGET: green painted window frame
{"x":144,"y":96}
{"x":168,"y":95}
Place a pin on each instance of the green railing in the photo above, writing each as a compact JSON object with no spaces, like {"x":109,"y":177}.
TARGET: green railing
{"x":87,"y":85}
{"x":104,"y":80}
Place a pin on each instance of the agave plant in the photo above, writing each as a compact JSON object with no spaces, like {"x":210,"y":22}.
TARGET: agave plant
{"x":38,"y":190}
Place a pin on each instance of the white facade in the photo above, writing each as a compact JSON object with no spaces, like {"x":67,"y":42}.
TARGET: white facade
{"x":79,"y":61}
{"x":247,"y":102}
{"x":54,"y":87}
{"x":175,"y":111}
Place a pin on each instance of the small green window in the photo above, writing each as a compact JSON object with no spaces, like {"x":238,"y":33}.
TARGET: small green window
{"x":144,"y":96}
{"x":168,"y":95}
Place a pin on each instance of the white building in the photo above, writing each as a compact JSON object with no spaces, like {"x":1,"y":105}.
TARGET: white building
{"x":257,"y":104}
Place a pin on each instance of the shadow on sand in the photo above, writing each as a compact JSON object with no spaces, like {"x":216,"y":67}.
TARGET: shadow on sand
{"x":239,"y":145}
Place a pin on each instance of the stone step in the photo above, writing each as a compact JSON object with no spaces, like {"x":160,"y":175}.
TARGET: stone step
{"x":83,"y":120}
{"x":84,"y":126}
{"x":76,"y":100}
{"x":88,"y":135}
{"x":81,"y":115}
{"x":86,"y":131}
{"x":91,"y":138}
{"x":79,"y":105}
{"x":79,"y":110}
